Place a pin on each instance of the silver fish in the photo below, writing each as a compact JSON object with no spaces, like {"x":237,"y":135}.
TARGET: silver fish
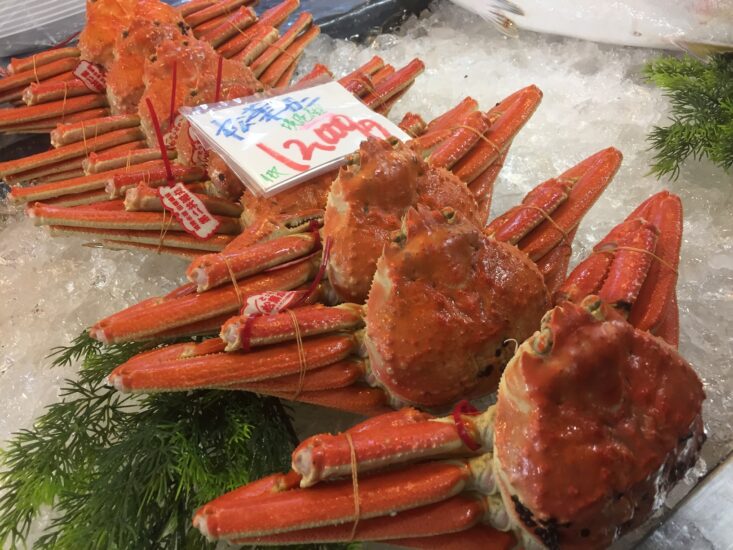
{"x":668,"y":24}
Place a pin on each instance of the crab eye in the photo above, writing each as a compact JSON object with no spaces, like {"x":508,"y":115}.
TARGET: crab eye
{"x":449,"y":214}
{"x":542,"y":342}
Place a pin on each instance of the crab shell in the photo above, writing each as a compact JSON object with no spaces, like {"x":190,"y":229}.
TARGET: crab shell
{"x":444,"y":301}
{"x":595,"y":420}
{"x":104,"y":20}
{"x":152,"y":24}
{"x":367,"y":202}
{"x":196,"y":65}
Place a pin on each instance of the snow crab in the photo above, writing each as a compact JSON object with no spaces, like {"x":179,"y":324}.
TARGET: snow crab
{"x":468,"y":291}
{"x":596,"y":418}
{"x":181,"y":313}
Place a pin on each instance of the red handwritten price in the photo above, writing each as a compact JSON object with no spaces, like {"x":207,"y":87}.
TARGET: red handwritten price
{"x":328,"y":135}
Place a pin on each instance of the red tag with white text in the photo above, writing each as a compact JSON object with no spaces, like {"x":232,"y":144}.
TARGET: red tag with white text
{"x":91,"y":75}
{"x":189,"y":210}
{"x":271,"y":302}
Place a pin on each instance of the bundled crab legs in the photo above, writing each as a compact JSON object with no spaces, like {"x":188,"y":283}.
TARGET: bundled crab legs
{"x":63,"y":83}
{"x":137,"y":220}
{"x":445,"y":301}
{"x":152,"y":46}
{"x":596,"y":419}
{"x":184,"y":313}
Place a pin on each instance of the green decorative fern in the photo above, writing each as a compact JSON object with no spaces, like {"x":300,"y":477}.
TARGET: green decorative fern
{"x":128,"y":472}
{"x":701,"y":121}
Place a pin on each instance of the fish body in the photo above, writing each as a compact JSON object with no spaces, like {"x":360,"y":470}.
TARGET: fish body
{"x":645,"y":23}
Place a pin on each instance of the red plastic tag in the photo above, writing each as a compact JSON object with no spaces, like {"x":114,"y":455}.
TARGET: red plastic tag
{"x":188,"y":209}
{"x":91,"y":75}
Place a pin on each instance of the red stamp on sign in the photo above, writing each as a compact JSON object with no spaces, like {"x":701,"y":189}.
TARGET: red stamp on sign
{"x":91,"y":75}
{"x":269,"y":303}
{"x":188,"y":209}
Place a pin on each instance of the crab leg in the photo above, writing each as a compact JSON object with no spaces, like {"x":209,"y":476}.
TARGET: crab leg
{"x":480,"y":537}
{"x":77,"y":199}
{"x":52,"y":91}
{"x":144,"y":320}
{"x":38,"y":73}
{"x":559,"y":202}
{"x":317,"y":71}
{"x":66,"y":134}
{"x":274,"y":71}
{"x":274,"y":17}
{"x":118,"y":184}
{"x":395,"y":83}
{"x":188,"y":8}
{"x":213,"y":271}
{"x":635,"y":266}
{"x":243,"y":18}
{"x":220,"y":8}
{"x":324,"y":456}
{"x":482,"y":186}
{"x":111,"y":159}
{"x":171,"y":239}
{"x":279,"y":327}
{"x":117,"y":219}
{"x":457,"y":513}
{"x":225,"y":369}
{"x":185,"y":253}
{"x":18,"y":65}
{"x":287,"y":76}
{"x":70,"y":151}
{"x":461,"y":141}
{"x":508,"y":117}
{"x":49,"y":112}
{"x":82,"y":184}
{"x":259,"y":65}
{"x":47,"y":125}
{"x":333,"y":504}
{"x":145,"y":199}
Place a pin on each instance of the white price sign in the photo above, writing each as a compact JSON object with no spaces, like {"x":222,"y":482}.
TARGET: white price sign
{"x":277,"y":142}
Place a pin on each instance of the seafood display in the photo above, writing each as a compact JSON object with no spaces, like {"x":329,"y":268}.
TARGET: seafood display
{"x":378,"y":289}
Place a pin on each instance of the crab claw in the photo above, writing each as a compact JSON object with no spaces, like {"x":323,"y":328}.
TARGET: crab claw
{"x":634,"y":267}
{"x":595,"y":421}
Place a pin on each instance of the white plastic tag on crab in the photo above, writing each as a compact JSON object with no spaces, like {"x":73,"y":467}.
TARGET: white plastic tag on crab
{"x":188,"y":209}
{"x":271,"y":302}
{"x":276,"y":142}
{"x":91,"y":75}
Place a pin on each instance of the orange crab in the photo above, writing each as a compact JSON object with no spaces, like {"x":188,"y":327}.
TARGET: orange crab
{"x":468,"y":293}
{"x":182,"y":313}
{"x":596,"y":419}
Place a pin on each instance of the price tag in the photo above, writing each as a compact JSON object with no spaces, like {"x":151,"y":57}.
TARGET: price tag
{"x":188,"y":209}
{"x":91,"y":75}
{"x":277,"y":142}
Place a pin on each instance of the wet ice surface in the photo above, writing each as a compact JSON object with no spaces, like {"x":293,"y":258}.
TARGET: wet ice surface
{"x":50,"y":289}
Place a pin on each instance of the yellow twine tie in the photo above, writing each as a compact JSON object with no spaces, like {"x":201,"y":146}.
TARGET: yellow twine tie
{"x":302,"y":362}
{"x":234,"y":280}
{"x":611,"y":248}
{"x":355,"y":484}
